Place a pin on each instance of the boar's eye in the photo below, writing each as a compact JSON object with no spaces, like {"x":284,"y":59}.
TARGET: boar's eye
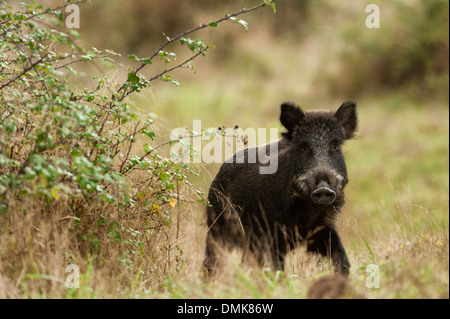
{"x":335,"y":146}
{"x":304,"y":147}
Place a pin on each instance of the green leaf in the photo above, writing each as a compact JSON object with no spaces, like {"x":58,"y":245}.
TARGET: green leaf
{"x":213,"y":24}
{"x":59,"y":15}
{"x":191,"y":44}
{"x":147,"y":148}
{"x":271,"y":4}
{"x":207,"y":133}
{"x":164,"y":177}
{"x":133,"y":78}
{"x":175,"y":82}
{"x":240,"y":21}
{"x":200,"y":44}
{"x":75,"y":34}
{"x":150,"y":134}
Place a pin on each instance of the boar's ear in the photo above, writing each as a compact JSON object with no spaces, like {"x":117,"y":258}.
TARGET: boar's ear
{"x":347,"y":118}
{"x":290,"y":116}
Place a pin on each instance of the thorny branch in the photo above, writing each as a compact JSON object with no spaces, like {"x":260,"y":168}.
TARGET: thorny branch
{"x":178,"y":37}
{"x":6,"y":30}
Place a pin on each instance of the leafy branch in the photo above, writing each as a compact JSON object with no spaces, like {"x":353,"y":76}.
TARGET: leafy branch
{"x":32,"y":13}
{"x":31,"y":67}
{"x":200,"y":46}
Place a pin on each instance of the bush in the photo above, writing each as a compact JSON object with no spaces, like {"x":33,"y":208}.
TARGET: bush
{"x":80,"y":149}
{"x":81,"y":153}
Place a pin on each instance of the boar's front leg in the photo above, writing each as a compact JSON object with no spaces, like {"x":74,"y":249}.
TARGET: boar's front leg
{"x":326,"y":242}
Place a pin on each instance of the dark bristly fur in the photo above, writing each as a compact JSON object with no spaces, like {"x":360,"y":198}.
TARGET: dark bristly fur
{"x":268,"y":214}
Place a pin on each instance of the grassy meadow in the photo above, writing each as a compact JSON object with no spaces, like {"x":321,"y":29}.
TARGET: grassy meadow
{"x":396,"y":215}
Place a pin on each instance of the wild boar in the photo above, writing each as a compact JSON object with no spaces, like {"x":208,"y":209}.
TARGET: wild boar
{"x":269,"y":214}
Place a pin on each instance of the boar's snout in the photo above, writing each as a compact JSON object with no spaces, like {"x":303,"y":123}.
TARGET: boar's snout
{"x":323,"y":195}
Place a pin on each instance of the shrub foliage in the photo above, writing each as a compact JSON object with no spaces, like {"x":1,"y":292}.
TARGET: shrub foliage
{"x":84,"y":150}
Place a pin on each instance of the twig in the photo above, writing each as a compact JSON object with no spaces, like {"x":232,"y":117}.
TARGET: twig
{"x":168,"y":70}
{"x":171,"y":40}
{"x":178,"y":204}
{"x":130,"y":146}
{"x":179,"y":65}
{"x":24,"y":71}
{"x":37,"y":72}
{"x":41,"y":13}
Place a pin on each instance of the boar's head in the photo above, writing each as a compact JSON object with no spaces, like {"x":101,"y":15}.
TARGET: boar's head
{"x":315,"y":140}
